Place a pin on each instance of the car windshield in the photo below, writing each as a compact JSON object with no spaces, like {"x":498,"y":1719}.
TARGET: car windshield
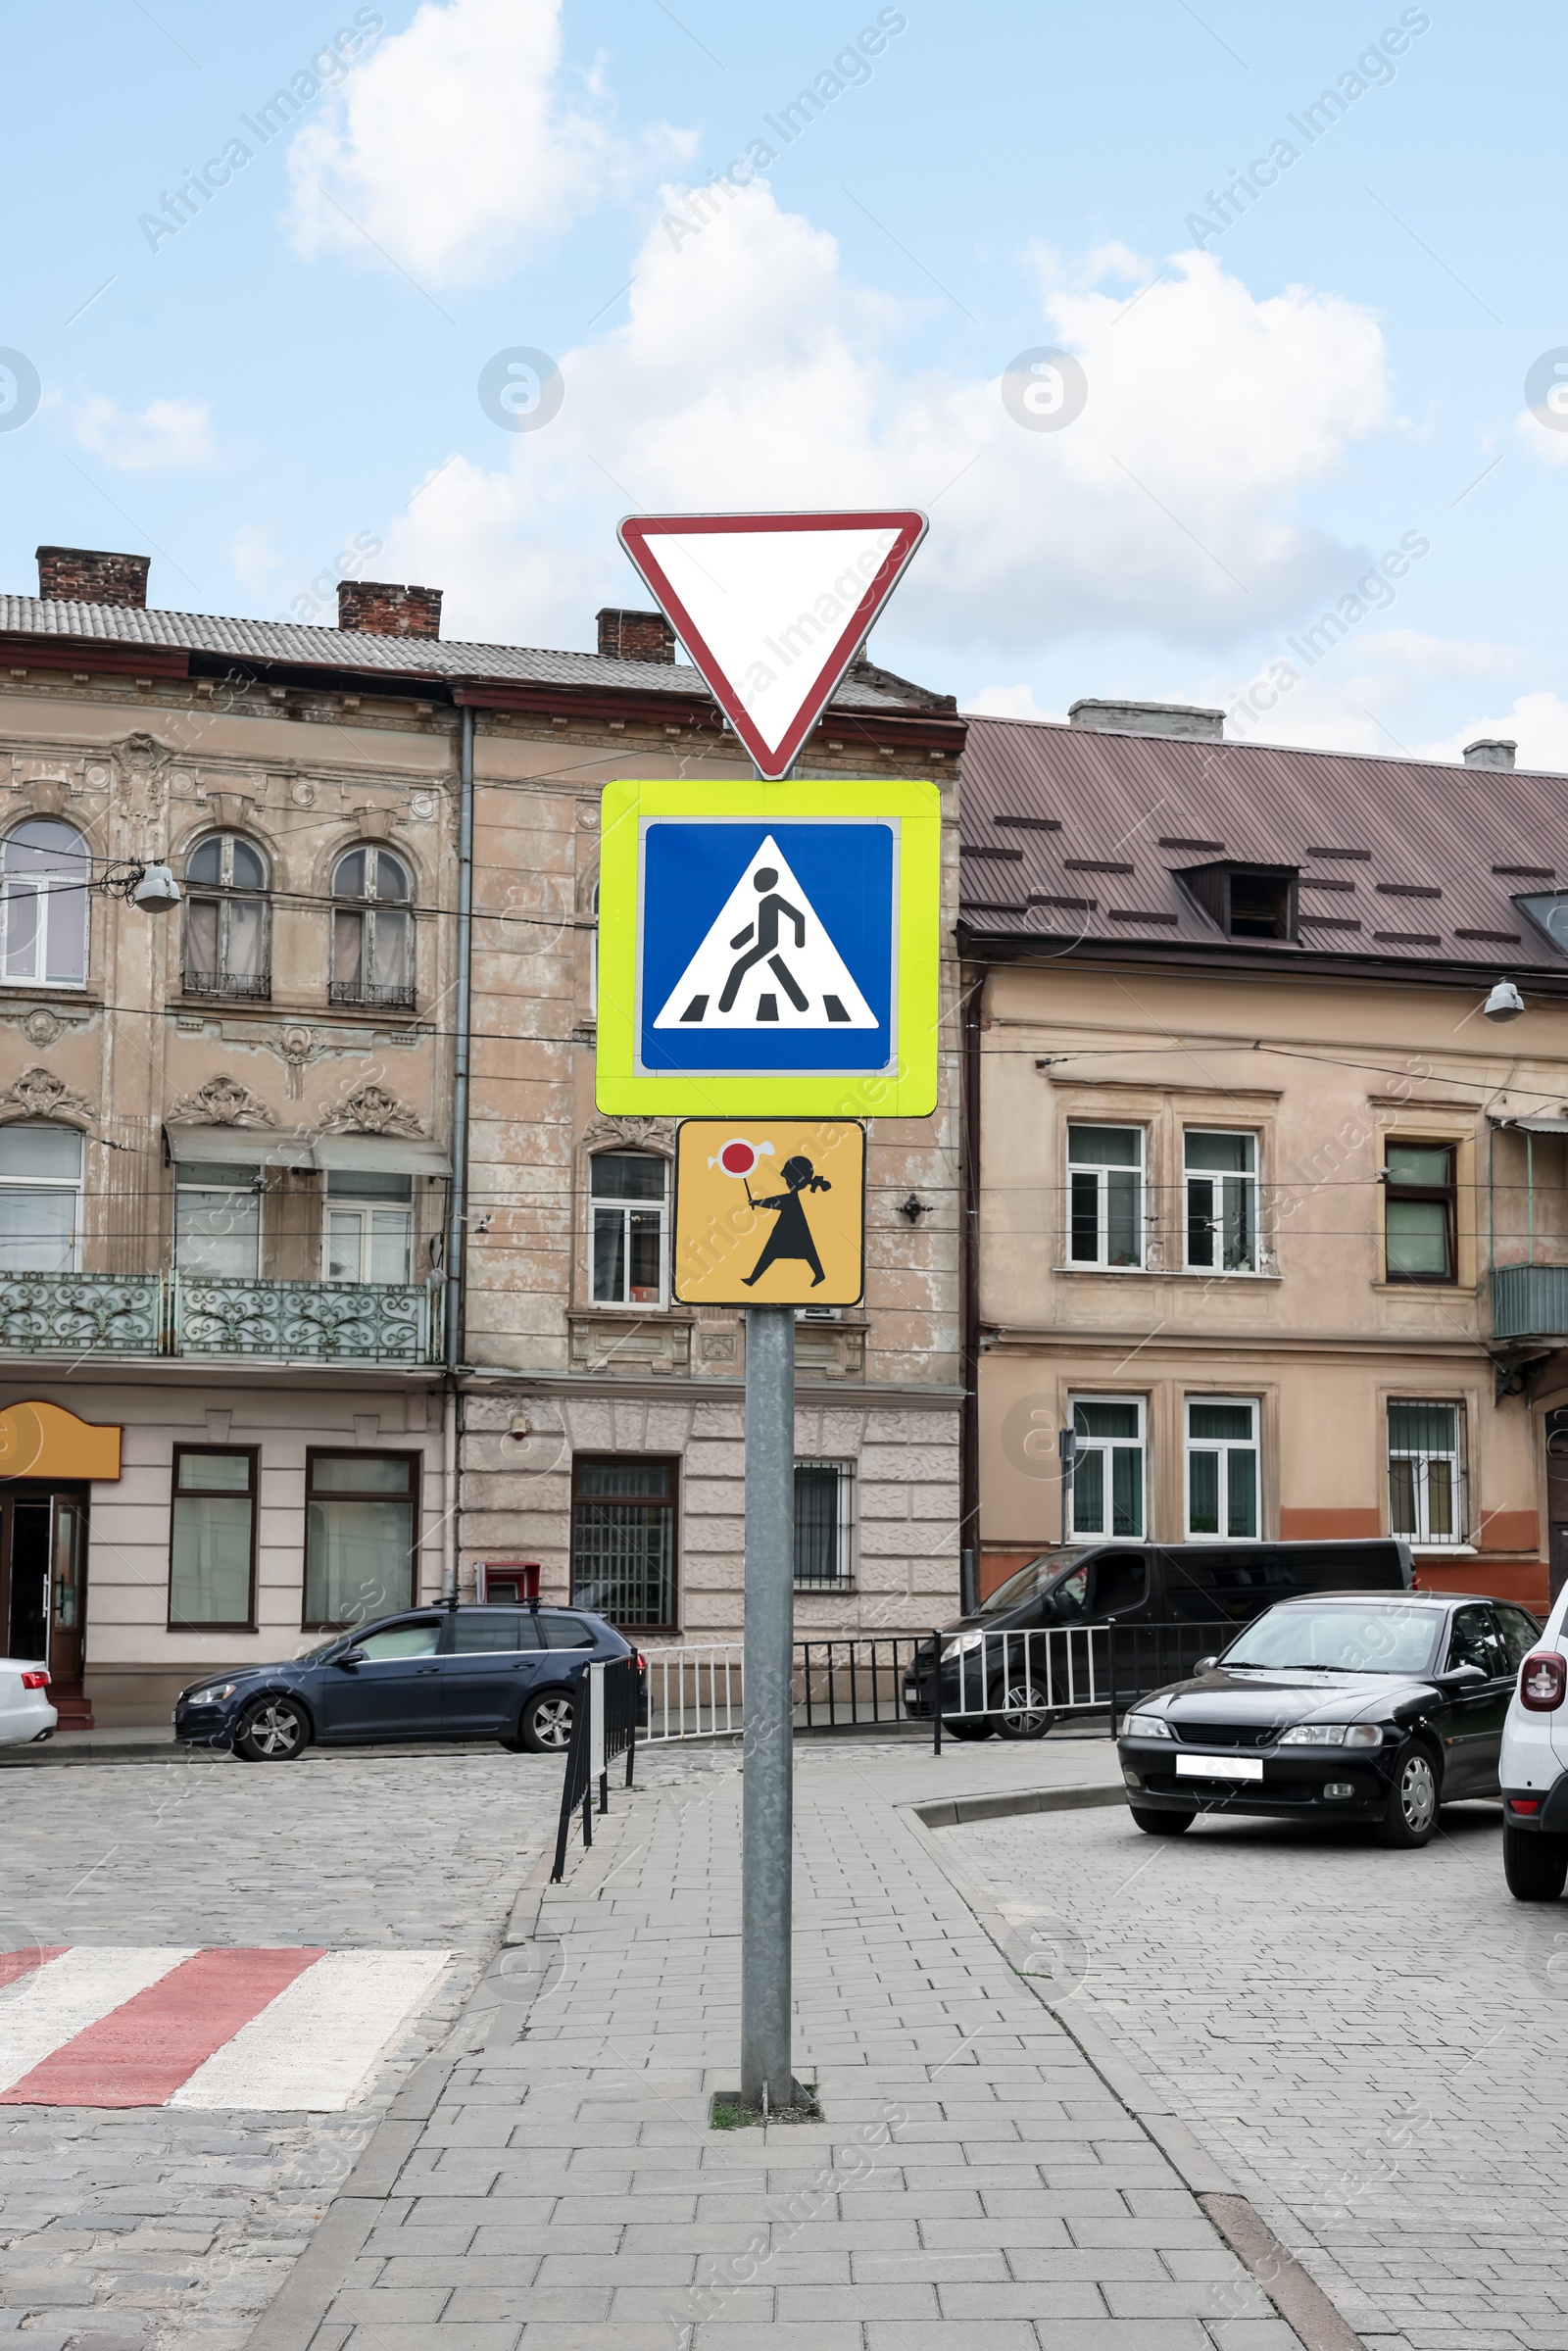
{"x":322,"y":1648}
{"x":1026,"y":1583}
{"x":1339,"y":1637}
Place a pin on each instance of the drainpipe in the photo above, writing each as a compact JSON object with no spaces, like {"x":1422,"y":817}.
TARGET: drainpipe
{"x":972,"y":985}
{"x":457,"y":1213}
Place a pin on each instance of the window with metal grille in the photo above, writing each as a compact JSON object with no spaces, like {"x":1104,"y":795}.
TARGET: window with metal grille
{"x":623,"y":1539}
{"x":228,"y":948}
{"x":372,"y":930}
{"x":1425,"y":1473}
{"x":821,"y":1523}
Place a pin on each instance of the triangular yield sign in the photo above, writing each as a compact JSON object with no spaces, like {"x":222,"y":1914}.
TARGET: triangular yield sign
{"x":772,"y":608}
{"x":766,"y":960}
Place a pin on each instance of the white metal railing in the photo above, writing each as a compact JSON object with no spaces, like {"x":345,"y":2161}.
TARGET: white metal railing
{"x":693,"y":1690}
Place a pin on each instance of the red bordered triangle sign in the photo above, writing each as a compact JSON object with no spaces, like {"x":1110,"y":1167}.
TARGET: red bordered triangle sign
{"x":772,"y":608}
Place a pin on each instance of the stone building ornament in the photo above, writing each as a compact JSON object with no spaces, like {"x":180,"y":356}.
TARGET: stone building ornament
{"x":222,"y":1103}
{"x":41,"y":1027}
{"x":39,"y":1094}
{"x":372,"y":1110}
{"x":636,"y":1134}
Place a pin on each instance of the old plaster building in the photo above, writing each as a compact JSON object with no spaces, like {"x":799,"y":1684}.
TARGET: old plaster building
{"x":323,"y":1286}
{"x":1269,"y":1212}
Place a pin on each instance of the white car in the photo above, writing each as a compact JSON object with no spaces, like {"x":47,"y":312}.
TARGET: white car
{"x":1534,"y":1770}
{"x":25,"y":1713}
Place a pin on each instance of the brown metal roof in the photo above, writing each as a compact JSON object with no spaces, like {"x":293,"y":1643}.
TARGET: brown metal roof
{"x":1396,"y":856}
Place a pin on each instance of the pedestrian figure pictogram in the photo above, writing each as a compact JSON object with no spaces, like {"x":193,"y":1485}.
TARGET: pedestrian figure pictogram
{"x":767,"y":962}
{"x":791,"y":1236}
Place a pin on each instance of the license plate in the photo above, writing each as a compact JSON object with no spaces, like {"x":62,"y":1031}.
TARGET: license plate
{"x":1219,"y":1767}
{"x":911,"y":1690}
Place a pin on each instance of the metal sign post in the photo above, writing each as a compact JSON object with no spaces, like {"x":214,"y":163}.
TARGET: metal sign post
{"x":1067,"y":1452}
{"x":768,"y":1800}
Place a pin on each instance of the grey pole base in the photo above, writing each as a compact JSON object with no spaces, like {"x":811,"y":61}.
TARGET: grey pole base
{"x":767,"y":1814}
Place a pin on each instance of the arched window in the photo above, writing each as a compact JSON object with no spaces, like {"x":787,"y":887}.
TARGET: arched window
{"x":227,"y":945}
{"x":372,"y":930}
{"x":630,"y":1225}
{"x":46,"y":874}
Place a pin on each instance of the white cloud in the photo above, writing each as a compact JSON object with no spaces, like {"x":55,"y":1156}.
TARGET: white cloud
{"x":452,"y":145}
{"x":170,"y":436}
{"x":1008,"y":702}
{"x":752,"y":373}
{"x":1537,"y":722}
{"x":1549,"y":442}
{"x":1358,"y":694}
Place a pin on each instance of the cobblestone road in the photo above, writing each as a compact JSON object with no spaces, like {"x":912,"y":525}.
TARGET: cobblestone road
{"x":1373,"y":2044}
{"x":173,"y":2228}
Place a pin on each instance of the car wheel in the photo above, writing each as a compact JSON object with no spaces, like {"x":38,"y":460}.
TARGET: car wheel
{"x":1534,"y":1865}
{"x":274,"y":1730}
{"x":546,"y":1726}
{"x":1160,"y":1824}
{"x":1412,"y":1813}
{"x":1024,"y":1710}
{"x":968,"y":1726}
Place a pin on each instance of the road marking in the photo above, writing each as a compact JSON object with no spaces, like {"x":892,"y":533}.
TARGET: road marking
{"x":67,"y":1997}
{"x":316,"y":2043}
{"x":287,"y":2027}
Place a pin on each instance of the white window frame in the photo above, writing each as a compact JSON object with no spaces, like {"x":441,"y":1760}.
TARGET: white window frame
{"x":38,"y":1182}
{"x":1109,"y":1445}
{"x":1102,"y":1174}
{"x":844,"y":1471}
{"x":1422,"y":1539}
{"x":1249,"y":1177}
{"x":1225,"y":1446}
{"x":257,"y":1188}
{"x":345,"y":1204}
{"x":630,"y":1207}
{"x":41,"y":888}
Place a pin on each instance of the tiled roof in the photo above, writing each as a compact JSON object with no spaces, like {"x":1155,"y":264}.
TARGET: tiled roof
{"x":296,"y":645}
{"x":1070,"y":834}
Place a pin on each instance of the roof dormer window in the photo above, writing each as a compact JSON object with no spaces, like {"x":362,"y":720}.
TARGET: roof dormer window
{"x":1247,"y":902}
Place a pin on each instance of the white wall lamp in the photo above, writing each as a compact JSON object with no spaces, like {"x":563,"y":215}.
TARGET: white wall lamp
{"x":1504,"y":1003}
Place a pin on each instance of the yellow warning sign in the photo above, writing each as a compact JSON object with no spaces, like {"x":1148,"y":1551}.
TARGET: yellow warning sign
{"x":770,"y":1214}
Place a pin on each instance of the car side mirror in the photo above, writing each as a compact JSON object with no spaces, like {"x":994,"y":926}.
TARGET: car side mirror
{"x":352,"y":1657}
{"x":1205,"y":1665}
{"x":1460,"y":1677}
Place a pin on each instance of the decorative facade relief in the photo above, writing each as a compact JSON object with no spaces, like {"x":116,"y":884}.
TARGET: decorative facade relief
{"x":41,"y":1027}
{"x":222,"y":1103}
{"x":372,"y":1110}
{"x":637,"y":1134}
{"x":39,"y":1094}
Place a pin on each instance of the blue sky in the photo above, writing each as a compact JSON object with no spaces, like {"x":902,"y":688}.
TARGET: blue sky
{"x":1304,"y":398}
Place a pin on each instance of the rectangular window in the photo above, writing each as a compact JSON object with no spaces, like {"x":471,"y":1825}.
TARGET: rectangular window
{"x":40,"y":1200}
{"x":1425,"y":1503}
{"x":212,"y":1540}
{"x":623,"y":1539}
{"x":1419,"y":1211}
{"x":218,"y":1219}
{"x":1222,"y":1479}
{"x":1221,"y":1200}
{"x":1106,"y":1196}
{"x":629,"y":1220}
{"x":361,"y":1536}
{"x":823,"y":1491}
{"x":370,"y":1227}
{"x":1107,"y":1479}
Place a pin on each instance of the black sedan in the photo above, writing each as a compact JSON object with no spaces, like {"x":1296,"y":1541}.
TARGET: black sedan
{"x":1357,"y":1706}
{"x":507,"y":1674}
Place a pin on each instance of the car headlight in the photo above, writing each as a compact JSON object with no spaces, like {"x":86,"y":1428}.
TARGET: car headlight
{"x":963,"y":1646}
{"x":1145,"y":1726}
{"x":1332,"y":1734}
{"x":212,"y":1696}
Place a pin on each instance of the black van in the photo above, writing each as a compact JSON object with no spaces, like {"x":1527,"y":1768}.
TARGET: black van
{"x":1187,"y":1591}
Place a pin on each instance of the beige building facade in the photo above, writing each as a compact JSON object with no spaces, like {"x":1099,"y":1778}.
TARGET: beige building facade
{"x":1270,"y":1211}
{"x":310,"y":1231}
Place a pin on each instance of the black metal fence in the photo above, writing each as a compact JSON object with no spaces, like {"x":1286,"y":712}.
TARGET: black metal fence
{"x":604,"y":1728}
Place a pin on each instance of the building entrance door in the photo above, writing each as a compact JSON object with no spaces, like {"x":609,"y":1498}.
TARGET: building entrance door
{"x":43,"y":1577}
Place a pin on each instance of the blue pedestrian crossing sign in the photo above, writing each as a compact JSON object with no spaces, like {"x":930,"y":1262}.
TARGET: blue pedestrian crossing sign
{"x":769,"y":947}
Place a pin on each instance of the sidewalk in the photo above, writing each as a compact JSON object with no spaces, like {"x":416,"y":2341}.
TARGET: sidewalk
{"x":550,"y":2184}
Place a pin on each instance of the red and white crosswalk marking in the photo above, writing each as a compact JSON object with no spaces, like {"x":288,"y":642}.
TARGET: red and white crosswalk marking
{"x":287,"y":2027}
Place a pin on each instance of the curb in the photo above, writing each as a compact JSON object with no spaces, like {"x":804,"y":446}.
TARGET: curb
{"x":1295,"y":2293}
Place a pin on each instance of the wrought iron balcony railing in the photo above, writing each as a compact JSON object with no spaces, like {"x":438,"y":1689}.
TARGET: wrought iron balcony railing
{"x":254,"y":987}
{"x":1530,"y":1301}
{"x":364,"y":991}
{"x":196,"y":1315}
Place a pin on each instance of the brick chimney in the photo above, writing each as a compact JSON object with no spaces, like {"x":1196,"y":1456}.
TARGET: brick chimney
{"x":1490,"y":751}
{"x":376,"y":609}
{"x":635,"y":636}
{"x":1187,"y":721}
{"x":86,"y":575}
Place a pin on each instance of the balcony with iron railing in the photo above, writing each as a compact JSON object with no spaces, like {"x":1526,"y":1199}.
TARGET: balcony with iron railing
{"x":217,"y":1318}
{"x":371,"y":996}
{"x":254,"y":987}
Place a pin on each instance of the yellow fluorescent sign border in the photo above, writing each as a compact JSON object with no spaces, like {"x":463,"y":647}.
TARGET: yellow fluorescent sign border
{"x":908,"y":1091}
